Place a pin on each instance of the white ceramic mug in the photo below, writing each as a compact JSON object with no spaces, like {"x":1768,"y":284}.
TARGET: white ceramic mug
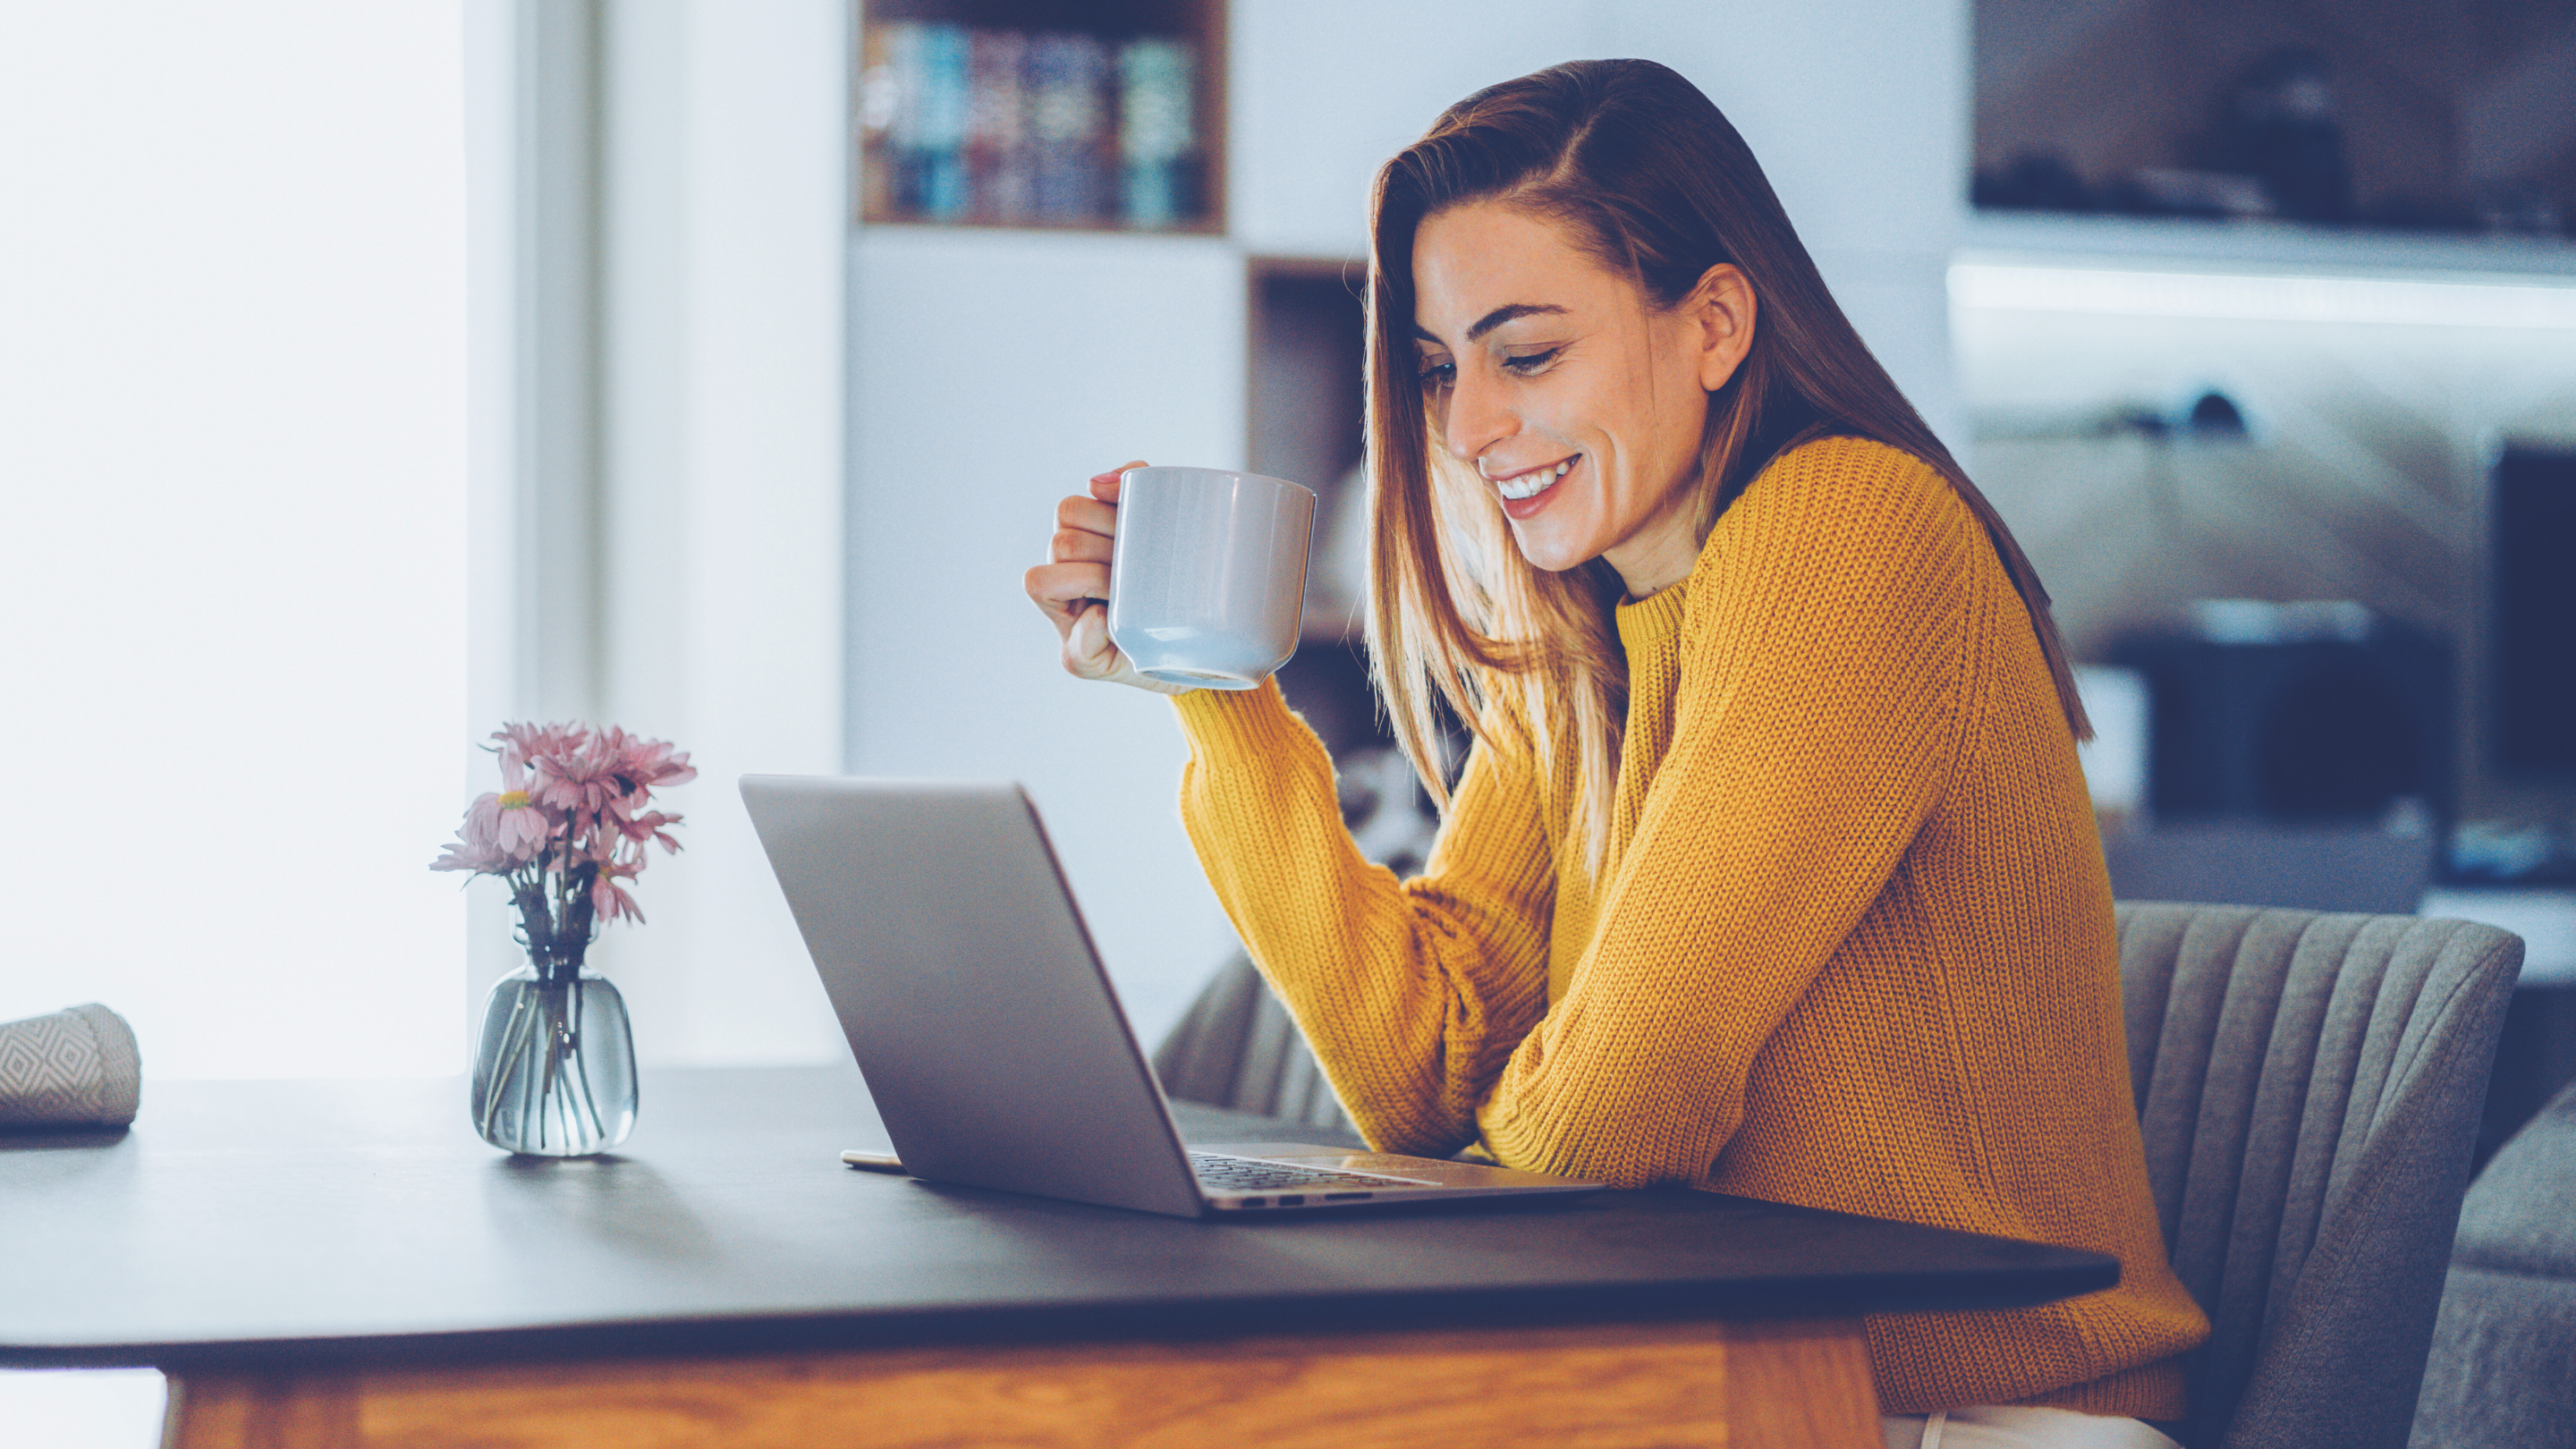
{"x":1207,"y":582}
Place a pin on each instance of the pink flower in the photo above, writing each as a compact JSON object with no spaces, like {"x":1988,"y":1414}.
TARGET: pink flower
{"x":501,"y":832}
{"x":524,"y":745}
{"x":572,"y":797}
{"x":647,"y":764}
{"x":650,"y":826}
{"x":608,"y":848}
{"x":608,"y":898}
{"x":515,"y":823}
{"x":582,"y":779}
{"x":467,"y":855}
{"x":474,"y":848}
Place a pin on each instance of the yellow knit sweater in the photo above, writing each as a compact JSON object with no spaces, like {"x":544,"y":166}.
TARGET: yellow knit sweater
{"x":1851,"y":945}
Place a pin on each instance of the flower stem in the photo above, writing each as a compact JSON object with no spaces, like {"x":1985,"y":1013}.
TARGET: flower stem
{"x":581,"y":1061}
{"x":513,"y":1044}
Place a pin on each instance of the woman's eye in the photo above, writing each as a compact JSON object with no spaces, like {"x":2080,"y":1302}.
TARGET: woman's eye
{"x":1438,"y":374}
{"x":1532,"y":362}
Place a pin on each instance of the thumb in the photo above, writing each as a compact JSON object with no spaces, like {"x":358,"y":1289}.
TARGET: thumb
{"x":1086,"y":645}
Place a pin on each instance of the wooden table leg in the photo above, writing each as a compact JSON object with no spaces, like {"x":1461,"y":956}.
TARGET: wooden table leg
{"x":1803,"y":1382}
{"x":1803,"y":1385}
{"x":253,"y":1410}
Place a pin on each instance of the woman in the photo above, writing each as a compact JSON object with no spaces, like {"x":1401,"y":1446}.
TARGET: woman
{"x":1770,"y":868}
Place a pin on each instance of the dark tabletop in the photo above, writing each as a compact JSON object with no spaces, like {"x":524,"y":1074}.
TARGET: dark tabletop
{"x":241,"y":1221}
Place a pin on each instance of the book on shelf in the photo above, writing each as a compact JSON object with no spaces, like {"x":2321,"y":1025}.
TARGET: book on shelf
{"x":1009,"y":127}
{"x":1156,"y":140}
{"x":1069,"y":123}
{"x":1001,"y":164}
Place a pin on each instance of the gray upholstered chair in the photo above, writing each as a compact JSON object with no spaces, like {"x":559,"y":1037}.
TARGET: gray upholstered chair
{"x":2309,"y":1087}
{"x":2502,"y":1374}
{"x":1237,"y":1047}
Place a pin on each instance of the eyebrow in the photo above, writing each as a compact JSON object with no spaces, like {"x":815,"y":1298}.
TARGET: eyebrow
{"x":1496,"y":318}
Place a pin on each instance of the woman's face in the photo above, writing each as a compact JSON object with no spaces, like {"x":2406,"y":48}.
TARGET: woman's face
{"x":1580,"y":404}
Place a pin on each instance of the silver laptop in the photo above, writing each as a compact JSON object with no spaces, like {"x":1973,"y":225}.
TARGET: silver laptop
{"x":987,"y":1031}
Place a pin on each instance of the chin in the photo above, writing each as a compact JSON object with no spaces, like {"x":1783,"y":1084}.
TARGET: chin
{"x":1550,"y":555}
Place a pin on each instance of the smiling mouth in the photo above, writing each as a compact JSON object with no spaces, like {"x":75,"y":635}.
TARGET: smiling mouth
{"x":1532,"y":483}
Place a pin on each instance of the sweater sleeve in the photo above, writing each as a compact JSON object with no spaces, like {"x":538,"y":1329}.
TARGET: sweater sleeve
{"x":1413,"y":993}
{"x":1815,"y":727}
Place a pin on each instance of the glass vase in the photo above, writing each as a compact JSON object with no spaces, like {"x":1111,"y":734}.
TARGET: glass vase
{"x":554,"y":1072}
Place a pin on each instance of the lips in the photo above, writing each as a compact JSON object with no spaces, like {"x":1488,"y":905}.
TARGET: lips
{"x":1534,"y":482}
{"x":1523,"y":494}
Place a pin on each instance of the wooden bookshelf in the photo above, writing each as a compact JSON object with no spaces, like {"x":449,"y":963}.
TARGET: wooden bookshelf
{"x":1040,"y":114}
{"x":1306,"y":329}
{"x":1307,"y":347}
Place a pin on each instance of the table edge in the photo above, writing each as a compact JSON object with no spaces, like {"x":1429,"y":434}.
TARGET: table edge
{"x":1786,"y":1298}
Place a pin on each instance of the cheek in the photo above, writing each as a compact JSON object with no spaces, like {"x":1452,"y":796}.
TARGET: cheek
{"x":1660,"y":401}
{"x":1570,"y":416}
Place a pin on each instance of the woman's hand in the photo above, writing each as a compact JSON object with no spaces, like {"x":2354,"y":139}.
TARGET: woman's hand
{"x":1072,"y":587}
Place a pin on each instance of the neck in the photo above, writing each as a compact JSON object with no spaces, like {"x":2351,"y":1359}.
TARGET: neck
{"x":1657,"y":556}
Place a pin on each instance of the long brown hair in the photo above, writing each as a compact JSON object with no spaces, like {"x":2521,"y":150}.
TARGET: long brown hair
{"x":1647,"y":175}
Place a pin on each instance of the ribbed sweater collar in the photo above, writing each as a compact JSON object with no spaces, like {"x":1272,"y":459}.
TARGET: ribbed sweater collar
{"x":1652,"y":626}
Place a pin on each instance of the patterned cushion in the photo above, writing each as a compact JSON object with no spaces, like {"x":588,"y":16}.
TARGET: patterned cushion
{"x":75,"y":1068}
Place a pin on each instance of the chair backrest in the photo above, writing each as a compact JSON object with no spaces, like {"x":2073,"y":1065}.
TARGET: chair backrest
{"x":1238,"y":1048}
{"x":2308,"y":1087}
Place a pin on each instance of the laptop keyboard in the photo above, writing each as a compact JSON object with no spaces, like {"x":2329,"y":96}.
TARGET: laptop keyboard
{"x":1242,"y":1174}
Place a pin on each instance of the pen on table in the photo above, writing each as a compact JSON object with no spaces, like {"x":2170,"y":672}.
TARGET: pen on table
{"x":874,"y":1161}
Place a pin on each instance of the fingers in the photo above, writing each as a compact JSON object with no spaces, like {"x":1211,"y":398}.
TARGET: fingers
{"x":1072,"y":587}
{"x":1072,"y":545}
{"x":1064,"y":590}
{"x":1086,"y":515}
{"x":1088,"y":654}
{"x":1104,"y":486}
{"x":1074,"y":582}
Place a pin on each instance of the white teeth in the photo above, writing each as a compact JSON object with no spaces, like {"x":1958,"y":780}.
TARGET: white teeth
{"x":1533,"y":483}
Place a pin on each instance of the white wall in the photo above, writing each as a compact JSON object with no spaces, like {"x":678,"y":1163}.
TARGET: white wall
{"x":1321,"y":92}
{"x":992,"y":372}
{"x":495,"y":418}
{"x":232,"y":528}
{"x":722,"y":594}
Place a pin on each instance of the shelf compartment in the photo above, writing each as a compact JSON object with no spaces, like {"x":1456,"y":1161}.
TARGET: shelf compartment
{"x":1041,"y":114}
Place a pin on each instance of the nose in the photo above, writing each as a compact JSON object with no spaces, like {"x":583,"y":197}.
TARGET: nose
{"x":1477,"y":416}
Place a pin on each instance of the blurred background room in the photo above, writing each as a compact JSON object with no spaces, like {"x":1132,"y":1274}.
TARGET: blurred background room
{"x":372,"y":374}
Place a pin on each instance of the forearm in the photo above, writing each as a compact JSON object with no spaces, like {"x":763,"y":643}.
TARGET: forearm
{"x":1412,"y":993}
{"x":1726,"y":910}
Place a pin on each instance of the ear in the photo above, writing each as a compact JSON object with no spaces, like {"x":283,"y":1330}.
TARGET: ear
{"x":1724,"y":309}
